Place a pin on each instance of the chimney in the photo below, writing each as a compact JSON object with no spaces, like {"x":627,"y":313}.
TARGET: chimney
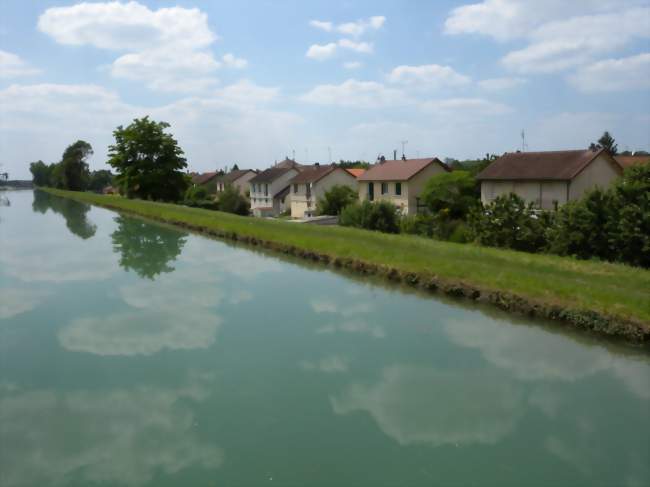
{"x":382,"y":159}
{"x":394,"y":154}
{"x":317,"y":164}
{"x":403,"y":157}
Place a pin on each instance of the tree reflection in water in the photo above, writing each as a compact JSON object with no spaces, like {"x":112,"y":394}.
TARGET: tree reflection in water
{"x":74,"y":212}
{"x":145,"y":248}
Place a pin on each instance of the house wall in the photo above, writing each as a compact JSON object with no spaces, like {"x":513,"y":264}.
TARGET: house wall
{"x":260,"y":200}
{"x":542,"y":193}
{"x":301,"y":204}
{"x":416,"y":185}
{"x":242,"y":183}
{"x":411,"y":189}
{"x":599,"y":173}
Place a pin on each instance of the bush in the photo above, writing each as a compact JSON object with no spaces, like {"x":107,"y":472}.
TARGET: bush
{"x":582,"y":228}
{"x":231,"y":200}
{"x":417,"y":225}
{"x":334,"y":200}
{"x":381,"y":216}
{"x":508,"y":222}
{"x":456,"y":193}
{"x":197,"y":196}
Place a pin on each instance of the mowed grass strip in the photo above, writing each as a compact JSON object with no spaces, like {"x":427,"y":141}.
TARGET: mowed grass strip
{"x":613,"y":289}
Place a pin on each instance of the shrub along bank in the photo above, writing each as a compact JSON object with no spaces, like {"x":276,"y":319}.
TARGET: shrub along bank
{"x":608,"y":298}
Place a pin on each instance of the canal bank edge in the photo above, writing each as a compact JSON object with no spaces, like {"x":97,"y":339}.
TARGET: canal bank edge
{"x":598,"y":323}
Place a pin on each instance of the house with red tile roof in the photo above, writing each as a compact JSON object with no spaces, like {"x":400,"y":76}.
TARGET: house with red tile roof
{"x":311,"y":184}
{"x":238,"y":178}
{"x":548,"y":178}
{"x":270,"y":190}
{"x":629,"y":161}
{"x":399,"y":181}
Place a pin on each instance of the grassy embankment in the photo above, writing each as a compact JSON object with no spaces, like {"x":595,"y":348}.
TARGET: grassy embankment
{"x":607,"y":298}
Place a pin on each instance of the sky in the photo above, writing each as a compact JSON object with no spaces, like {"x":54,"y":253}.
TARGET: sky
{"x":251,"y":82}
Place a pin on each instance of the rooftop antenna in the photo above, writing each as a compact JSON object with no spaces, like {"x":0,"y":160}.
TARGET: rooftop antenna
{"x":403,"y":142}
{"x":293,"y":152}
{"x":524,"y":146}
{"x":329,"y":153}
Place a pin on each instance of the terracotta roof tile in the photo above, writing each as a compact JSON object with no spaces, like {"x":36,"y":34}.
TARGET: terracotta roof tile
{"x":399,"y":170}
{"x":356,"y":172}
{"x":313,"y":174}
{"x":627,"y":161}
{"x":549,"y":165}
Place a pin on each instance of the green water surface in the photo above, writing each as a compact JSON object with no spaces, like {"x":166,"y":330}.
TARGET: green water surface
{"x":137,"y":354}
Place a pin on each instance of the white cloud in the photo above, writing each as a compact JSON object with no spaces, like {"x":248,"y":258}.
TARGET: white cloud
{"x":560,"y":34}
{"x":322,"y":25}
{"x":12,"y":66}
{"x":234,"y":62}
{"x":429,"y":75}
{"x":126,"y":26}
{"x":421,"y":406}
{"x":363,"y":47}
{"x":329,"y":365}
{"x":361,"y":26}
{"x":467,"y":107}
{"x":321,"y":51}
{"x":116,"y":434}
{"x":352,"y":65}
{"x":213,"y":127}
{"x":15,"y":301}
{"x":629,"y":73}
{"x":509,"y":19}
{"x":167,"y":48}
{"x":168,"y":70}
{"x":500,"y":84}
{"x":563,"y":44}
{"x":354,"y":93}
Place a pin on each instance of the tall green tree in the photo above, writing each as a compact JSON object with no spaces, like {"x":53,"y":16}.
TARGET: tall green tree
{"x":148,"y":161}
{"x":100,"y":179}
{"x":335,"y":199}
{"x":455,"y":193}
{"x":41,"y":173}
{"x":606,"y":141}
{"x":72,"y":172}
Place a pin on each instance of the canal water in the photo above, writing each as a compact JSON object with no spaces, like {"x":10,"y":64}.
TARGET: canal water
{"x":137,"y":354}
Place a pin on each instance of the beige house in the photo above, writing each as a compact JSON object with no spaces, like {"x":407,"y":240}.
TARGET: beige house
{"x":312,"y":183}
{"x":238,"y":178}
{"x":401,"y":182}
{"x":549,"y":178}
{"x":270,"y":190}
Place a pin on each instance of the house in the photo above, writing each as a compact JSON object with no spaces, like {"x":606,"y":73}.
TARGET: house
{"x":399,"y":181}
{"x":270,"y":190}
{"x":238,"y":178}
{"x":629,"y":161}
{"x":549,"y":178}
{"x":206,"y":179}
{"x":356,"y":172}
{"x":311,"y":184}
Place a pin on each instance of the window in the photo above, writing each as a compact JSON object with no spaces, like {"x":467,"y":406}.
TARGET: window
{"x":384,"y":188}
{"x":266,"y":190}
{"x":398,"y":188}
{"x":371,"y":191}
{"x":308,"y":189}
{"x":295,"y":189}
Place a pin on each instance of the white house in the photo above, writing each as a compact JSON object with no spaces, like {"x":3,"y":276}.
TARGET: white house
{"x":270,"y":190}
{"x":399,"y":181}
{"x":548,"y":178}
{"x":311,"y":184}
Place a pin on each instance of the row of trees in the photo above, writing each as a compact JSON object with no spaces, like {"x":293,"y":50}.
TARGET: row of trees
{"x":149,"y":164}
{"x":72,"y":172}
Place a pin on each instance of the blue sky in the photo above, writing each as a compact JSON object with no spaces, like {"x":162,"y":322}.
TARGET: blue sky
{"x":253,"y":81}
